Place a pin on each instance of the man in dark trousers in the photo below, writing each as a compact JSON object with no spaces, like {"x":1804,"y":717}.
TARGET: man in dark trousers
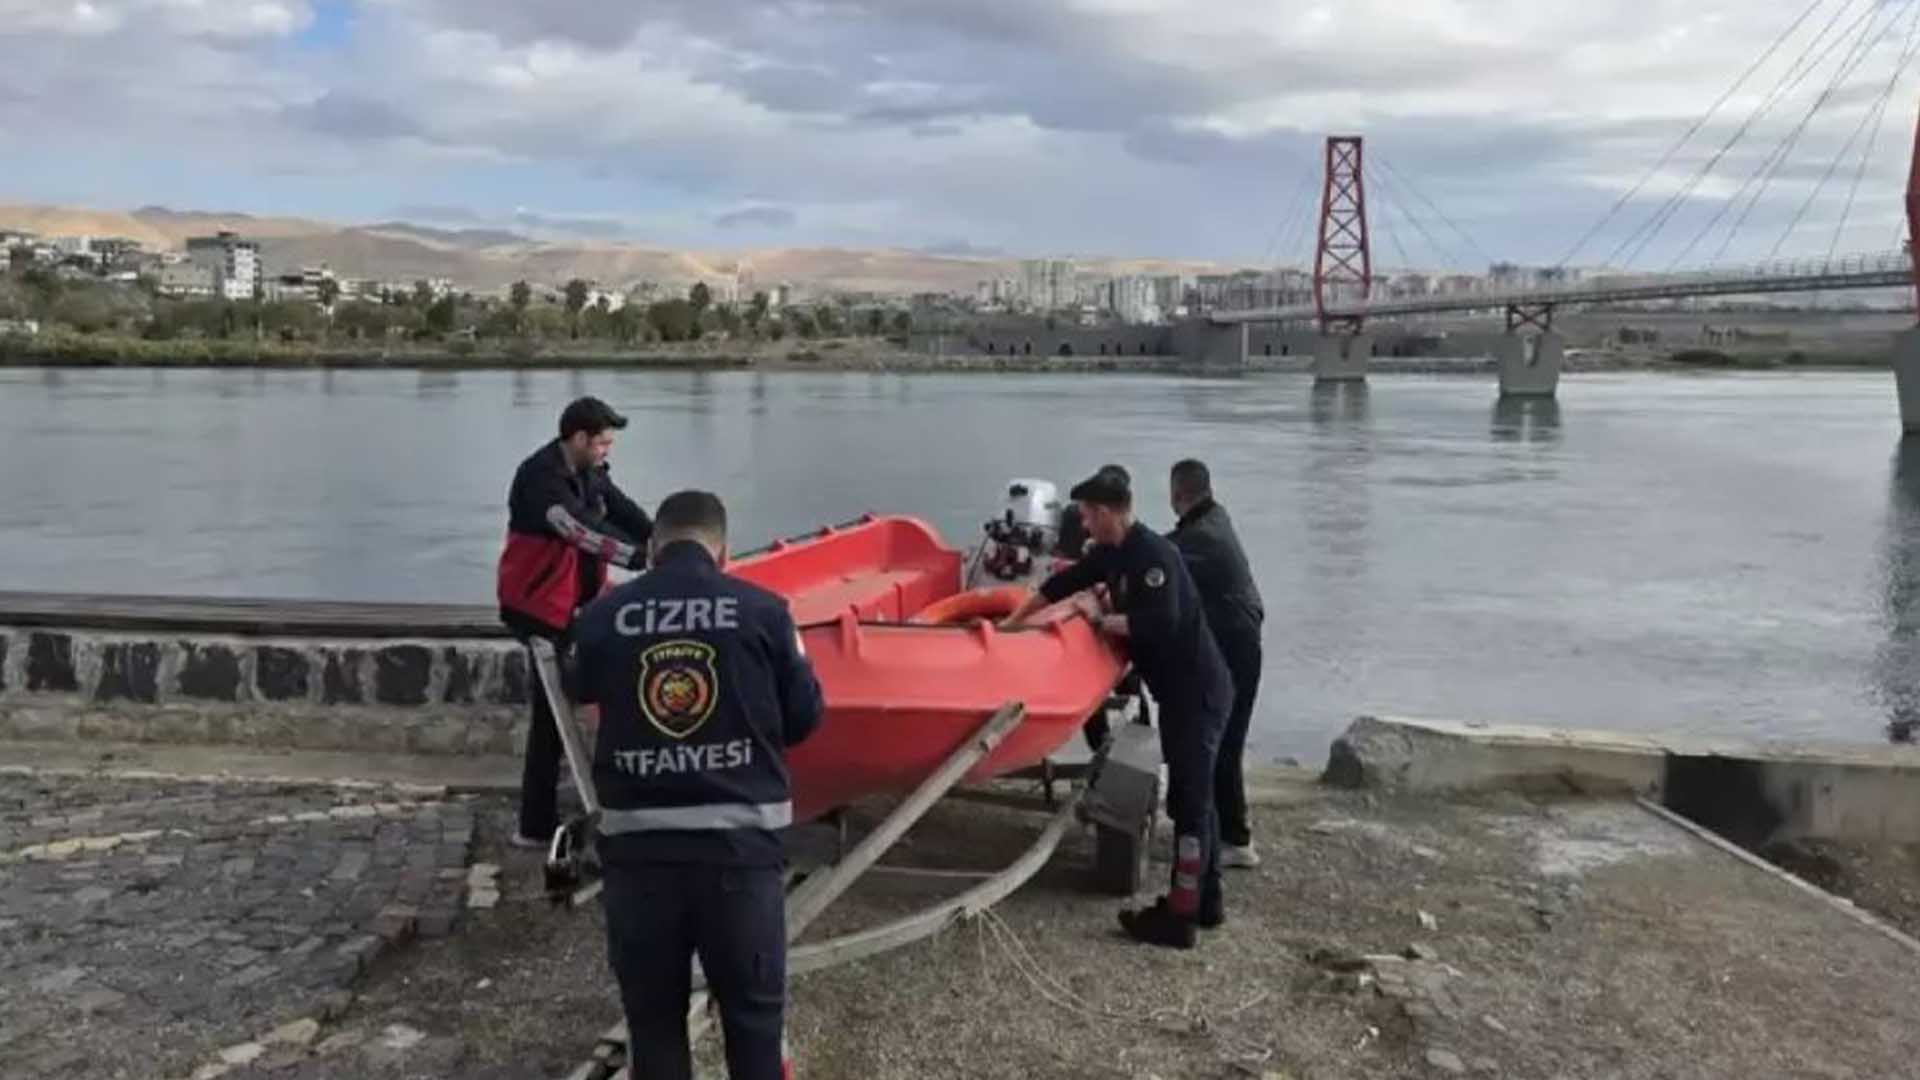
{"x":702,"y":685}
{"x":1156,"y":611}
{"x":566,"y":523}
{"x":1204,"y":534}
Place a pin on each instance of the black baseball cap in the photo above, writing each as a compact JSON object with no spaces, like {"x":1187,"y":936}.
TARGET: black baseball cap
{"x":1108,"y":487}
{"x":591,"y":415}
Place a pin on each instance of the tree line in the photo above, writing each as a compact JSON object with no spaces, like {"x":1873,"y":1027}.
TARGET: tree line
{"x":91,"y":306}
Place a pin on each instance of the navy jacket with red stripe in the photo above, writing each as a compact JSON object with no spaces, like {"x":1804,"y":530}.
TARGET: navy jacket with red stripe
{"x":564,"y":528}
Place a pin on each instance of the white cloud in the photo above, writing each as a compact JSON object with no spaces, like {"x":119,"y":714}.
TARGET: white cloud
{"x":1115,"y":125}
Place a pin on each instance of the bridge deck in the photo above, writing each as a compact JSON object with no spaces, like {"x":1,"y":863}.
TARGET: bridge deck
{"x":1869,"y":271}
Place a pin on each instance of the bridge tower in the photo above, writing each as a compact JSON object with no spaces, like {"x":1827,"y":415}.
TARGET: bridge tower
{"x":1906,"y":345}
{"x":1342,"y":262}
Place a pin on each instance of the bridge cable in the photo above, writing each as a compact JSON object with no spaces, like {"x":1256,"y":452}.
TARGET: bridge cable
{"x":1401,"y":178}
{"x":1861,"y":33}
{"x":1671,"y":206}
{"x":1303,"y":187}
{"x":1879,"y":121}
{"x":1687,"y":137}
{"x":1308,"y":225}
{"x":1873,"y":115}
{"x":1777,"y":162}
{"x":1386,"y":227}
{"x":1446,"y":255}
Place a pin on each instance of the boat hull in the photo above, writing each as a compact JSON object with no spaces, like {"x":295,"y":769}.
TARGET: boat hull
{"x":901,"y":696}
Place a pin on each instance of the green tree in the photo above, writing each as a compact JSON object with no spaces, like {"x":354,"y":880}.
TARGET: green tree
{"x":700,"y":297}
{"x":827,"y":317}
{"x":422,"y":294}
{"x":903,"y":324}
{"x":440,"y":315}
{"x":674,"y":320}
{"x":362,"y":321}
{"x":577,"y":291}
{"x":329,"y":291}
{"x":801,"y":323}
{"x":520,"y":296}
{"x":876,"y":322}
{"x":757,"y":309}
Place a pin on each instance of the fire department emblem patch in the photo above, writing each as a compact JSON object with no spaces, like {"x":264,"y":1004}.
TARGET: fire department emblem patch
{"x":1155,"y":577}
{"x":678,"y":686}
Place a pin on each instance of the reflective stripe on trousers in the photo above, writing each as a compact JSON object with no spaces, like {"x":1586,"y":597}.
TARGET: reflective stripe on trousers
{"x":777,"y":815}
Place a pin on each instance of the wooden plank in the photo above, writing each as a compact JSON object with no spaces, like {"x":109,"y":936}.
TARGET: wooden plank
{"x":814,"y":894}
{"x":248,"y":616}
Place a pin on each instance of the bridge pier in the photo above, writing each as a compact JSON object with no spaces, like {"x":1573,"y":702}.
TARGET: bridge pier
{"x":1906,"y":378}
{"x":1529,"y":367}
{"x":1341,"y":357}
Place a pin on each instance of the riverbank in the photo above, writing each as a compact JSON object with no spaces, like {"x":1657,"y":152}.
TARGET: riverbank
{"x":840,"y":355}
{"x":1385,"y":934}
{"x":64,"y":351}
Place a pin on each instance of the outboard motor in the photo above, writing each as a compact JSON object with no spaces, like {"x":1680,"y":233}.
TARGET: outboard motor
{"x":1029,"y":526}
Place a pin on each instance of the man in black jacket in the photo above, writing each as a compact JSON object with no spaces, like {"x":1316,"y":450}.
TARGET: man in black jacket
{"x":1231,"y":600}
{"x":566,"y":523}
{"x":702,"y":685}
{"x":1151,"y":604}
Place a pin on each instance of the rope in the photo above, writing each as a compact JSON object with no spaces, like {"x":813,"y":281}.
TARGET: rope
{"x":1613,"y":211}
{"x":1662,"y":216}
{"x":1055,"y":993}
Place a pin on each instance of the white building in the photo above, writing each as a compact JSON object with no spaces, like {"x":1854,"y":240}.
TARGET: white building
{"x":1048,"y":284}
{"x":1132,"y":299}
{"x":613,"y":298}
{"x":235,"y":263}
{"x":187,"y":279}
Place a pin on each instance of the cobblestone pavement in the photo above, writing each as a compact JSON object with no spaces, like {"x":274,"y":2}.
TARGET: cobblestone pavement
{"x":148,"y":925}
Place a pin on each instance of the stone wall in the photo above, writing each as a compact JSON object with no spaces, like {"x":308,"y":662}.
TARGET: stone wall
{"x":433,"y":696}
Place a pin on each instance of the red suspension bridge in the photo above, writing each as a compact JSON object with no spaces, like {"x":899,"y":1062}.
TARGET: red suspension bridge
{"x":1345,"y":294}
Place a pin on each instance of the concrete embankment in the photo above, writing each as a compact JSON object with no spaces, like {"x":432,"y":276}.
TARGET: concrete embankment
{"x":1753,"y":793}
{"x":256,"y":673}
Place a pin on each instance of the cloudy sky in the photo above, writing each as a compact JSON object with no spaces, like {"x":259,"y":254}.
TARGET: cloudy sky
{"x":1176,"y":128}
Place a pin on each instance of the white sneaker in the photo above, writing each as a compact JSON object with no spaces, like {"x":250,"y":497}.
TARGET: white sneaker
{"x":1241,"y":858}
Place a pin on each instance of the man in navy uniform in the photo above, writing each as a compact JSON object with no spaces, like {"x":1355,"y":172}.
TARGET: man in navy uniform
{"x":566,"y":522}
{"x":702,"y":685}
{"x":1204,"y":534}
{"x":1153,"y":607}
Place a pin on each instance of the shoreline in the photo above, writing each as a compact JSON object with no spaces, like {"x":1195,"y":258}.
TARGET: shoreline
{"x":827,"y":355}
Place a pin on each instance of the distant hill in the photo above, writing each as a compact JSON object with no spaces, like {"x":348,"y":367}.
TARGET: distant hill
{"x":490,"y":259}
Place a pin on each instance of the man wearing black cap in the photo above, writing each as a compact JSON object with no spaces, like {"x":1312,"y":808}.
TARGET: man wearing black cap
{"x":1156,"y":610}
{"x":566,"y":523}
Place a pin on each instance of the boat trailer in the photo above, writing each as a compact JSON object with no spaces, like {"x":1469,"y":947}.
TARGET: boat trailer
{"x":1117,"y":793}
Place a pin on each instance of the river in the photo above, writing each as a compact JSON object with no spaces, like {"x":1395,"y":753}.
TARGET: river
{"x":1725,"y":555}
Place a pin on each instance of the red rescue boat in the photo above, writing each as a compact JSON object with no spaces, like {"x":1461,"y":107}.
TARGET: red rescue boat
{"x":910,"y":662}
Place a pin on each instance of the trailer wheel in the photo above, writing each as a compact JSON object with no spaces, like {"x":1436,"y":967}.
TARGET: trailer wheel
{"x":1120,"y":858}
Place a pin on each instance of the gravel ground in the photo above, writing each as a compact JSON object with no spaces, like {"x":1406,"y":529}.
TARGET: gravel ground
{"x":1560,"y":940}
{"x":1883,"y":878}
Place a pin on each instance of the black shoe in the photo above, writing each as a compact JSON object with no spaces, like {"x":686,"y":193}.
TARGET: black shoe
{"x":1212,"y":916}
{"x":1158,"y":925}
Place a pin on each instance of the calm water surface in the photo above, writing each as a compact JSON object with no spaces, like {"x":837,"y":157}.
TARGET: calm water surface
{"x":1728,"y":555}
